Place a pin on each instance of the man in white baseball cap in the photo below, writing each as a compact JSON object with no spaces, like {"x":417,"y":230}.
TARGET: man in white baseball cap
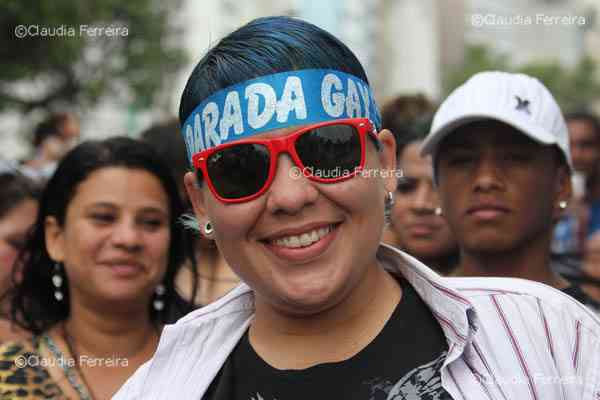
{"x":501,"y":159}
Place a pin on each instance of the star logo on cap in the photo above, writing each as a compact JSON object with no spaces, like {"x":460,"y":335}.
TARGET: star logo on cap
{"x":522,"y":105}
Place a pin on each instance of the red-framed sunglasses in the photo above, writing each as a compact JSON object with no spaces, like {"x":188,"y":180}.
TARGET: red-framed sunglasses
{"x":326,"y":152}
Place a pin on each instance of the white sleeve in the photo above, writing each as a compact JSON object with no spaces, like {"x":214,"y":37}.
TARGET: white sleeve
{"x":132,"y":389}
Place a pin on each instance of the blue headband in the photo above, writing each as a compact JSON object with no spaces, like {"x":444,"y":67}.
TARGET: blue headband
{"x":277,"y":101}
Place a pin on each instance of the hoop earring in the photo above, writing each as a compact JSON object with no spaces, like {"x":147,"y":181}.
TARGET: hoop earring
{"x":57,"y":282}
{"x":208,"y":228}
{"x":388,"y":205}
{"x":159,"y":302}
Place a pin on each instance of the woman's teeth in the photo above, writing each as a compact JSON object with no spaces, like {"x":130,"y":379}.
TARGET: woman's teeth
{"x":306,"y":239}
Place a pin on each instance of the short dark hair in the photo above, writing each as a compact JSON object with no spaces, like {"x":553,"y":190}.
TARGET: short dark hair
{"x":16,"y":188}
{"x":168,"y":142}
{"x":33,"y":305}
{"x":586,"y":116}
{"x":262,"y":47}
{"x":408,"y":118}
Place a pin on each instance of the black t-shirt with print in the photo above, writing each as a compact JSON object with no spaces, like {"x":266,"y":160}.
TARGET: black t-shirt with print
{"x":402,"y":362}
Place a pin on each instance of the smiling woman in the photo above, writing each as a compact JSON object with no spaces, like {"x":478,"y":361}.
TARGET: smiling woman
{"x":325,"y":310}
{"x":98,"y":273}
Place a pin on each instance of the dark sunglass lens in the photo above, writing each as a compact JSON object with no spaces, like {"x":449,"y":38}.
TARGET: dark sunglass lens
{"x":331,"y":151}
{"x":239,"y":171}
{"x":406,"y":185}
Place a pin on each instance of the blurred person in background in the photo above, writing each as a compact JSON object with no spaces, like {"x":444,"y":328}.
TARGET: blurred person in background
{"x":18,"y":210}
{"x":416,"y":225}
{"x":584,"y":129}
{"x":214,"y":277}
{"x":584,"y":142}
{"x":98,"y":274}
{"x":52,"y":139}
{"x":166,"y":140}
{"x":582,"y":218}
{"x":501,"y":158}
{"x":590,"y":282}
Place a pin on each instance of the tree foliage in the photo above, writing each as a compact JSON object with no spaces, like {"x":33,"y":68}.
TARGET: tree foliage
{"x":574,"y":88}
{"x":68,"y":61}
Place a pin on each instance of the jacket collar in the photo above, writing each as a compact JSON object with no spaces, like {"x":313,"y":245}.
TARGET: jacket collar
{"x":203,"y":339}
{"x":454,"y":312}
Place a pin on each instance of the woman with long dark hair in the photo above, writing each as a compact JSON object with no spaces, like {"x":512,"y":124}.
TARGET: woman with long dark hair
{"x":98,"y":273}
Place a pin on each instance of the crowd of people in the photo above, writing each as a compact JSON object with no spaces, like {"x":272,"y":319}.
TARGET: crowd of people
{"x":419,"y":227}
{"x":195,"y":263}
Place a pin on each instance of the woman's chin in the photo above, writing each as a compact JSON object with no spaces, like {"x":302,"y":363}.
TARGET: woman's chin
{"x":308,"y":301}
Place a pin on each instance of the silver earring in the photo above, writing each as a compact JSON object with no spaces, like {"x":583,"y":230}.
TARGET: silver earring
{"x":438,"y":211}
{"x":208,"y":228}
{"x":57,"y":281}
{"x":159,"y":292}
{"x":387,"y":211}
{"x":563,"y":204}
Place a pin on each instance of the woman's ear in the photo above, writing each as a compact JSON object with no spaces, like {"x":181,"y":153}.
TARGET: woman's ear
{"x":195,"y":194}
{"x":387,"y":158}
{"x":54,"y":236}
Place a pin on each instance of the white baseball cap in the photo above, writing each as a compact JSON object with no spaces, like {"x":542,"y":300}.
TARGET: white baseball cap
{"x":518,"y":100}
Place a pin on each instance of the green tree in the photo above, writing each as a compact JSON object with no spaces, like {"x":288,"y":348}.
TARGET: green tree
{"x":64,"y":59}
{"x":573,"y":88}
{"x":477,"y":58}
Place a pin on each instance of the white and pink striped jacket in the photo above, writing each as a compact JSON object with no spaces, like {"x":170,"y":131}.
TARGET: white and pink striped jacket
{"x":509,"y":339}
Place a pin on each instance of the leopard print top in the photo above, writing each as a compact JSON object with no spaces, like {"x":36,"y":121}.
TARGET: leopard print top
{"x":21,"y":375}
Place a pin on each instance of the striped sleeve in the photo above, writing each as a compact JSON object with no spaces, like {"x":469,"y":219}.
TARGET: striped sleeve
{"x":534,"y":350}
{"x":576,"y":337}
{"x":587,"y":358}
